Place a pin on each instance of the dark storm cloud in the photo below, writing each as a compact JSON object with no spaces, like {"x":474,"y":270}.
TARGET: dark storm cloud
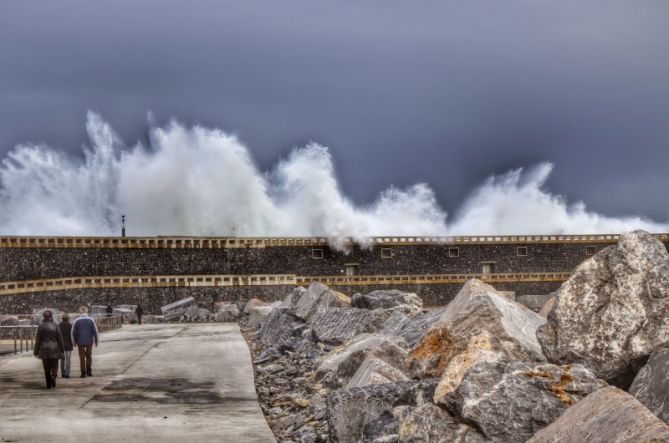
{"x":445,"y":92}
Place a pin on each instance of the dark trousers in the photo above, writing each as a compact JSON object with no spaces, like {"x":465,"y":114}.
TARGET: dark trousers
{"x":50,"y":371}
{"x":139,"y":319}
{"x":85,"y":359}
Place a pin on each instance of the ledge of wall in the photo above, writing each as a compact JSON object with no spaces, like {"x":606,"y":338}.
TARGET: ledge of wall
{"x":176,"y":281}
{"x":261,"y":242}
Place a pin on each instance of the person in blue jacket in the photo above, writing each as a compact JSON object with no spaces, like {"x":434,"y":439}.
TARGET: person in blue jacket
{"x":84,"y":336}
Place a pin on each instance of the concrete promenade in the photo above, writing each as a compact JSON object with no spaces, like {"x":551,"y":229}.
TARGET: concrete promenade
{"x":173,"y":382}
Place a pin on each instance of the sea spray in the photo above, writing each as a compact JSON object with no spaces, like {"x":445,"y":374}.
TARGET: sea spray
{"x":201,"y":181}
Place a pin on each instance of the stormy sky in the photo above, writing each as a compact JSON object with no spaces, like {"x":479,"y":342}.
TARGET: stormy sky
{"x":443,"y":92}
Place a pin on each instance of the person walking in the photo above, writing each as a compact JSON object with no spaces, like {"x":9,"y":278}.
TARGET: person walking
{"x":84,"y":336}
{"x":66,"y":331}
{"x":139,"y":312}
{"x":109,"y":310}
{"x":49,"y":347}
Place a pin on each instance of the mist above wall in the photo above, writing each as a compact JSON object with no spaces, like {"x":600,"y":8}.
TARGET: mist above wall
{"x":203,"y":181}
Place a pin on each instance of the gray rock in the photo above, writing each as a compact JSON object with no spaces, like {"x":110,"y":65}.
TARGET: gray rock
{"x":336,"y":325}
{"x":351,"y":410}
{"x":430,"y":423}
{"x":183,"y":307}
{"x":606,"y":416}
{"x":306,"y":434}
{"x":478,"y":325}
{"x":251,"y":304}
{"x":386,"y":299}
{"x":374,"y":371}
{"x":257,"y":315}
{"x":203,"y":314}
{"x":413,"y":329}
{"x":509,"y":402}
{"x":277,"y":327}
{"x":344,"y":361}
{"x":651,"y":385}
{"x":295,"y":295}
{"x":318,"y":298}
{"x":613,"y":311}
{"x":227,"y":312}
{"x":548,"y":306}
{"x":395,"y":322}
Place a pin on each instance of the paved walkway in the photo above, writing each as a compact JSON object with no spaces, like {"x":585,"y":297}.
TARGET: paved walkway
{"x":185,"y":383}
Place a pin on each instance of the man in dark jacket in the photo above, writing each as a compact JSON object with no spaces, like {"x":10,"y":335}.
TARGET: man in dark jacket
{"x":84,"y":335}
{"x":49,"y":347}
{"x":139,"y":312}
{"x":66,"y":331}
{"x":109,"y":310}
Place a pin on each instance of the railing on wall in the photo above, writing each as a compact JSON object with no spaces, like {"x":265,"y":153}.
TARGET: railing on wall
{"x":167,"y":281}
{"x":432,"y":278}
{"x":262,"y":242}
{"x":21,"y":336}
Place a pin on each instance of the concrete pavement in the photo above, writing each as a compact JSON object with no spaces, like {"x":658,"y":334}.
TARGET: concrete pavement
{"x":172,"y":382}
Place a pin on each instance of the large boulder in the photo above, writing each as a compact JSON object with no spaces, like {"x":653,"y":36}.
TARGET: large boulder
{"x":509,"y":402}
{"x":316,"y":299}
{"x":375,"y":371}
{"x":335,"y":326}
{"x":257,"y":315}
{"x":186,"y":307}
{"x":277,"y":327}
{"x":251,"y":304}
{"x":226,"y":312}
{"x":350,"y":411}
{"x":430,"y":423}
{"x":613,"y":311}
{"x":651,"y":385}
{"x":340,"y":365}
{"x":478,"y":325}
{"x":412,"y":329}
{"x":387,"y":299}
{"x":606,"y":416}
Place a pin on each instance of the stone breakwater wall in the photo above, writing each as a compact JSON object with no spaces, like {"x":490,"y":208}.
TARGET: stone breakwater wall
{"x":26,"y":261}
{"x":55,"y":260}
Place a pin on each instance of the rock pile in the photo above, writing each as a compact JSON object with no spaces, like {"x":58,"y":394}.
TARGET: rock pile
{"x":379,"y":368}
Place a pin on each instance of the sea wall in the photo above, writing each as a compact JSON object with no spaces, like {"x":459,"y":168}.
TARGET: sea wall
{"x":37,"y":263}
{"x":434,"y":268}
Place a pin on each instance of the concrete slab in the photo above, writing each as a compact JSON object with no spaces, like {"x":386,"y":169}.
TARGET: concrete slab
{"x":168,"y":383}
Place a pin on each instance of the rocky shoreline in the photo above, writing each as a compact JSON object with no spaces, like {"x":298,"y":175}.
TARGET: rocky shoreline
{"x":379,"y":368}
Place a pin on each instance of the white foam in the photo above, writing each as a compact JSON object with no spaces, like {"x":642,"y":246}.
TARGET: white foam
{"x":200,"y":181}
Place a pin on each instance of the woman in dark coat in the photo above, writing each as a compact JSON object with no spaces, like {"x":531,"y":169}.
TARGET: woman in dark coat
{"x":49,"y":347}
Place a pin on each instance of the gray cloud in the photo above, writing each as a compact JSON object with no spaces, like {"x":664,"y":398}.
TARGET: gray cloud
{"x":445,"y":92}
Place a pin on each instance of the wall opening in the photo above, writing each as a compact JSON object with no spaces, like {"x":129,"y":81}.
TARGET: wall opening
{"x":317,"y":253}
{"x":487,"y":268}
{"x":386,"y":253}
{"x":351,"y":269}
{"x":590,"y":250}
{"x":454,"y":252}
{"x":521,"y":251}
